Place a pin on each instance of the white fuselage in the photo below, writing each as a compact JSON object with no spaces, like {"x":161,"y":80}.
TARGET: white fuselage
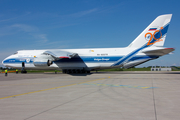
{"x":95,"y":58}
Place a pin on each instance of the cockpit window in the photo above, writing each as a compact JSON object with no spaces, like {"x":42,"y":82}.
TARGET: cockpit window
{"x":15,"y":53}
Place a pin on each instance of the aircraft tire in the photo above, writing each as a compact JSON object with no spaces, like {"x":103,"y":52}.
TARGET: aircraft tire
{"x":64,"y":71}
{"x":24,"y":71}
{"x":82,"y":71}
{"x":73,"y":71}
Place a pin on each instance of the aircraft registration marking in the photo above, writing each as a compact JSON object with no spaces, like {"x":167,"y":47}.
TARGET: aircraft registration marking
{"x":105,"y":54}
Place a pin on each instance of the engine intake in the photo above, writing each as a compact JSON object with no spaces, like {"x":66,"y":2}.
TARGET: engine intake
{"x":42,"y":62}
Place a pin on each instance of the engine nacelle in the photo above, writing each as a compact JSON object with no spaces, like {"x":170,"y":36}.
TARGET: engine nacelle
{"x":42,"y":62}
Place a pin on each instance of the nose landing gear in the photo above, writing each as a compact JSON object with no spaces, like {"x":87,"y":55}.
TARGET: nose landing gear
{"x":23,"y":70}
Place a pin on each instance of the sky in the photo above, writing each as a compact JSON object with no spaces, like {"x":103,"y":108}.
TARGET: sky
{"x":66,"y":24}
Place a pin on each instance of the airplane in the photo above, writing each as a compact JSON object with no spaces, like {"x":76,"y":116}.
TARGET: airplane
{"x":147,"y":46}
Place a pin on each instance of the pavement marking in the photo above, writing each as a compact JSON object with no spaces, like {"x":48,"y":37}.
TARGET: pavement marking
{"x":116,"y":85}
{"x":52,"y":88}
{"x":31,"y":83}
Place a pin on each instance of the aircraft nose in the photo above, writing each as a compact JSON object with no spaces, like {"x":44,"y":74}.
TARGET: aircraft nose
{"x":5,"y":61}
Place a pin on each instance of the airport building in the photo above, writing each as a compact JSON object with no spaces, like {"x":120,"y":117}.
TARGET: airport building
{"x":154,"y":68}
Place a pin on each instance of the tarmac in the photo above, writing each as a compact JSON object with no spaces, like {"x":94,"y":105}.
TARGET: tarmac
{"x":96,"y":96}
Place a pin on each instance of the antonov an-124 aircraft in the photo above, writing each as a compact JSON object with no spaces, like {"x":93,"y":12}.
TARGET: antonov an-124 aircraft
{"x":147,"y":46}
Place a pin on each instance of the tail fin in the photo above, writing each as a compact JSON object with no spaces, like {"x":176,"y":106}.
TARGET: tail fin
{"x":155,"y":33}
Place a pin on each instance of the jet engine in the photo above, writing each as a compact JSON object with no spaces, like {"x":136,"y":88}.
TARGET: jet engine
{"x":43,"y":61}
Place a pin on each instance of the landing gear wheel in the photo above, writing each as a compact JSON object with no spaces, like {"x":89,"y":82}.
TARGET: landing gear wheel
{"x":24,"y":71}
{"x":64,"y":71}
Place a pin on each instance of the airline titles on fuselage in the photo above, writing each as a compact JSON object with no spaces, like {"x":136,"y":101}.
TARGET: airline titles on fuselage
{"x":101,"y":59}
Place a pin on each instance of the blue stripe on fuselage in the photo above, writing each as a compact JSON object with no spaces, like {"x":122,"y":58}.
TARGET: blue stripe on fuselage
{"x":129,"y":56}
{"x":18,"y":60}
{"x":106,"y":59}
{"x":87,"y":59}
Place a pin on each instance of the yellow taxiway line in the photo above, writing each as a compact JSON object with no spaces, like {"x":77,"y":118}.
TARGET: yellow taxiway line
{"x":51,"y":88}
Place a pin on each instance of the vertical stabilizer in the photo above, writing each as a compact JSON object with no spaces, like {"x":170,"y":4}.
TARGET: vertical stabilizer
{"x":155,"y":33}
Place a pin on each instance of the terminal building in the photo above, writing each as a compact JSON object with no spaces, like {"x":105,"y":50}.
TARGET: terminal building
{"x":154,"y":68}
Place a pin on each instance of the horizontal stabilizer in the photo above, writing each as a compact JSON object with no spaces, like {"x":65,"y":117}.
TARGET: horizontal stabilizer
{"x":162,"y":51}
{"x":133,"y":63}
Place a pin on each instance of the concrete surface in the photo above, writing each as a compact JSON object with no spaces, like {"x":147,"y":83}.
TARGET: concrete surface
{"x":97,"y":96}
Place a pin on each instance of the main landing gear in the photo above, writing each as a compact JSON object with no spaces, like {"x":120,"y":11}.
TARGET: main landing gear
{"x":75,"y":71}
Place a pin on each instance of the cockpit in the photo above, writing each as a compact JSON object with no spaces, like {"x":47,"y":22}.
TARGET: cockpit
{"x":15,"y":53}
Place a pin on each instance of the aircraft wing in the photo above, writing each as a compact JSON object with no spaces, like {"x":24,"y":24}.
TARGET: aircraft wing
{"x":162,"y":51}
{"x":56,"y":55}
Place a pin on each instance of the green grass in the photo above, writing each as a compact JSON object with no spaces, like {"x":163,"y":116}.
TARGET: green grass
{"x":33,"y":71}
{"x":130,"y":69}
{"x":40,"y":71}
{"x":113,"y":69}
{"x":137,"y":69}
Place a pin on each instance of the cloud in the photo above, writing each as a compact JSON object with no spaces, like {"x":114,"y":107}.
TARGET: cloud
{"x":56,"y":44}
{"x":25,"y":28}
{"x":16,"y":17}
{"x":42,"y":38}
{"x":23,"y":32}
{"x":5,"y":20}
{"x":33,"y":31}
{"x":174,"y":64}
{"x":30,"y":30}
{"x":83,"y":13}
